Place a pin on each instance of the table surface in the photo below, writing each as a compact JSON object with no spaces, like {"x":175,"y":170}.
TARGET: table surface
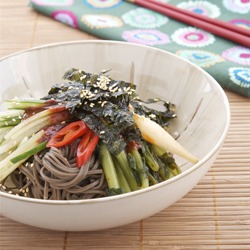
{"x":214,"y":215}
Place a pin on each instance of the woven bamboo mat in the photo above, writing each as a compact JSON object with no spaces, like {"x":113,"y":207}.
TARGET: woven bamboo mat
{"x":214,"y":215}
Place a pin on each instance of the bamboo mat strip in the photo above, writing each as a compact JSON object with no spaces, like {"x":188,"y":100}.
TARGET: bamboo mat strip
{"x":214,"y":215}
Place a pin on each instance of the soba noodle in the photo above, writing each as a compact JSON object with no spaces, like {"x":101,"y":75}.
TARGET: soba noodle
{"x":53,"y":175}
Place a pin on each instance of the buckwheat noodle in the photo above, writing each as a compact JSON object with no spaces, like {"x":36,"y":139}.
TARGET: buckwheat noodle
{"x":53,"y":175}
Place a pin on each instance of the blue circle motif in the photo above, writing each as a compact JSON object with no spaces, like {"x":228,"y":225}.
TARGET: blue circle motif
{"x":201,"y":58}
{"x":102,"y":4}
{"x":240,"y":76}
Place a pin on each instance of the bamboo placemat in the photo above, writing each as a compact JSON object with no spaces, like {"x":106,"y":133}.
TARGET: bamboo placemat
{"x":214,"y":215}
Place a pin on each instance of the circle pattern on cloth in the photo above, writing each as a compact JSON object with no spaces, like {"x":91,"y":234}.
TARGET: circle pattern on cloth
{"x":65,"y":16}
{"x":201,"y":58}
{"x":53,"y":2}
{"x":143,"y":18}
{"x":237,"y":6}
{"x":146,"y":37}
{"x":237,"y":54}
{"x":240,"y":76}
{"x":192,"y":37}
{"x":201,"y":7}
{"x":241,"y":23}
{"x":102,"y":3}
{"x":101,"y":21}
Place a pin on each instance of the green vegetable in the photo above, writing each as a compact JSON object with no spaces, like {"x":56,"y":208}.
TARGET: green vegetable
{"x":10,"y":118}
{"x":121,"y":178}
{"x":168,"y":161}
{"x":7,"y":167}
{"x":29,"y":153}
{"x":142,"y":171}
{"x":127,"y":171}
{"x":108,"y":167}
{"x":23,"y":104}
{"x":149,"y":157}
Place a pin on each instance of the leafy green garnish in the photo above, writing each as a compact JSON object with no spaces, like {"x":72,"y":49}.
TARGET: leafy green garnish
{"x":103,"y":104}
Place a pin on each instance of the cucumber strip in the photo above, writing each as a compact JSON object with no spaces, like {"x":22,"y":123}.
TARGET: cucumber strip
{"x":30,"y":129}
{"x":23,"y":125}
{"x":8,"y":114}
{"x":29,"y":153}
{"x":12,"y":122}
{"x":23,"y":104}
{"x":7,"y":146}
{"x":3,"y":132}
{"x":6,"y":166}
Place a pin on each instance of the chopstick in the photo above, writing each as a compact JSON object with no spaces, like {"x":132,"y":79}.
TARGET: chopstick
{"x":215,"y":26}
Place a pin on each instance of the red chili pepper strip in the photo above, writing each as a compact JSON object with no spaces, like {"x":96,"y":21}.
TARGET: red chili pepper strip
{"x":85,"y":148}
{"x":68,"y":134}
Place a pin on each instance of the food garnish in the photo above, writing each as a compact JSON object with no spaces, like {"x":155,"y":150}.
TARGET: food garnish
{"x":98,"y":129}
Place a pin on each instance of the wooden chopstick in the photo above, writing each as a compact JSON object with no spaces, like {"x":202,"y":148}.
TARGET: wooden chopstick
{"x":215,"y":26}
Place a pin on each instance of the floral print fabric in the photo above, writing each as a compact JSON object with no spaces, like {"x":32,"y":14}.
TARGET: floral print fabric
{"x":227,"y":62}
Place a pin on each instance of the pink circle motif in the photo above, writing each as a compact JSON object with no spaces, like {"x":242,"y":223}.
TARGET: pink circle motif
{"x":201,"y":7}
{"x":237,"y":54}
{"x":192,"y":37}
{"x":237,"y":6}
{"x":241,"y":23}
{"x":102,"y":3}
{"x":146,"y":37}
{"x":65,"y":16}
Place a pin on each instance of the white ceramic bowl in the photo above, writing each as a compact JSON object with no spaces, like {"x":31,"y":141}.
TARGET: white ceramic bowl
{"x":202,"y":124}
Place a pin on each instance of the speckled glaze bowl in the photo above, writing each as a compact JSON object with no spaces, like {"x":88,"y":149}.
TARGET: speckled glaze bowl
{"x":201,"y":126}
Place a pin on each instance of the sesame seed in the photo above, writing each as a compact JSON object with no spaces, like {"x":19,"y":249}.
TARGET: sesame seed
{"x":63,"y":122}
{"x":10,"y":192}
{"x":103,"y":103}
{"x":114,"y":90}
{"x":102,"y":132}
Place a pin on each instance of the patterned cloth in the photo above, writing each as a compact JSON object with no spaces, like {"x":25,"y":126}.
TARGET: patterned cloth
{"x":119,"y":20}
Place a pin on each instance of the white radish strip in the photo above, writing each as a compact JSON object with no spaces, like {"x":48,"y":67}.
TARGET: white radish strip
{"x":155,"y":134}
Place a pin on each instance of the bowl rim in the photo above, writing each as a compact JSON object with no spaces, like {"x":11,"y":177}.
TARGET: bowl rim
{"x":148,"y":189}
